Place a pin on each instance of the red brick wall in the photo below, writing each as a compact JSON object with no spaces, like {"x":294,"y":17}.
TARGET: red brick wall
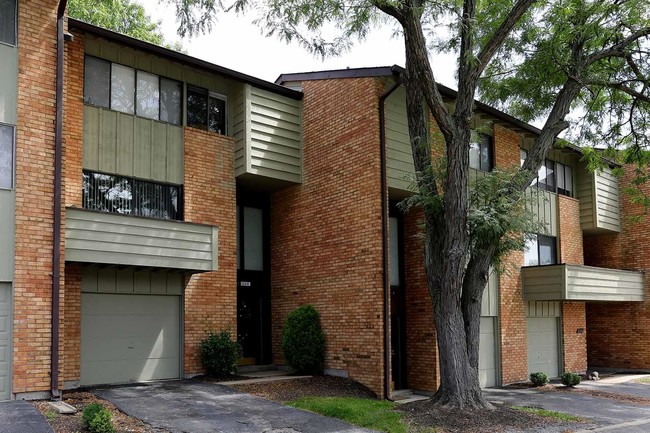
{"x":326,"y":241}
{"x":619,"y":332}
{"x":71,"y":326}
{"x":421,"y":344}
{"x":211,"y":297}
{"x":34,"y":192}
{"x":570,"y":233}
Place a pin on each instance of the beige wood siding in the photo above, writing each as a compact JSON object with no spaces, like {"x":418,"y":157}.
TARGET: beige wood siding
{"x":490,"y":302}
{"x":487,"y":357}
{"x":7,"y":234}
{"x":6,"y":320}
{"x":132,"y":146}
{"x":581,"y":283}
{"x":598,"y":193}
{"x":543,"y":309}
{"x":240,"y":125}
{"x":8,"y":83}
{"x":105,"y":238}
{"x":102,"y":280}
{"x":399,"y":159}
{"x":543,"y":204}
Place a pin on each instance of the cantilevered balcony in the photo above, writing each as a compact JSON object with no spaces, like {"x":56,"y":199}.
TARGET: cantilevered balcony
{"x":581,"y":283}
{"x":95,"y":237}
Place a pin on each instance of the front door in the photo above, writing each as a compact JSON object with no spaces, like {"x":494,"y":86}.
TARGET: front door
{"x":397,"y":306}
{"x":253,"y":286}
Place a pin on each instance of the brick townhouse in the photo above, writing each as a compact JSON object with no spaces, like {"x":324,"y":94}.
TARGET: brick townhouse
{"x":147,"y":196}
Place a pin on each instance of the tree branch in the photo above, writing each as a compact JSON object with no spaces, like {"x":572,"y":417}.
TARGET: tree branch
{"x":500,"y":35}
{"x":620,"y":86}
{"x":618,"y":50}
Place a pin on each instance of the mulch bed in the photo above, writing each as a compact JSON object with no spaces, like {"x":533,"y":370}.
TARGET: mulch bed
{"x":317,"y":386}
{"x":74,"y":424}
{"x":217,"y":379}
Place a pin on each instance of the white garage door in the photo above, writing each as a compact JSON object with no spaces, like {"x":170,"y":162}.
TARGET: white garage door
{"x":487,"y":359}
{"x":5,"y":341}
{"x":128,"y":338}
{"x":543,"y":345}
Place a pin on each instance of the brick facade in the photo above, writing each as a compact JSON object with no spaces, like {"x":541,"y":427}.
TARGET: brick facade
{"x":326,"y":241}
{"x":211,"y":297}
{"x":618,"y":332}
{"x":34,"y":190}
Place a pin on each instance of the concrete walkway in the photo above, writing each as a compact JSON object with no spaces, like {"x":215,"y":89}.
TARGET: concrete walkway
{"x":606,"y":415}
{"x":187,"y":406}
{"x":20,"y":416}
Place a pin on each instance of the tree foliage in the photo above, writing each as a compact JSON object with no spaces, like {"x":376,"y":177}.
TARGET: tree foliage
{"x":578,"y":67}
{"x":122,"y":16}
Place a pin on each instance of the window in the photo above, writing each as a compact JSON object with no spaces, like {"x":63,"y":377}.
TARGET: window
{"x":8,"y":21}
{"x":122,"y":88}
{"x":130,"y":196}
{"x":6,"y":156}
{"x":480,"y":153}
{"x":552,"y":176}
{"x":206,"y":110}
{"x":393,"y":224}
{"x":540,"y":250}
{"x":250,"y":231}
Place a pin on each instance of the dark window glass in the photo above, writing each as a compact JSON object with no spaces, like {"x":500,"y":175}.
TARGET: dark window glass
{"x":97,"y":82}
{"x":559,"y":173}
{"x":197,"y":108}
{"x":129,"y":196}
{"x":550,"y":175}
{"x":547,"y":250}
{"x":480,"y":153}
{"x":217,"y":115}
{"x":8,"y":21}
{"x":568,"y":181}
{"x":6,"y":156}
{"x":171,"y":92}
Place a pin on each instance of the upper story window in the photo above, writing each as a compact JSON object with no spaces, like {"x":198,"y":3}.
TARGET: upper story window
{"x":6,"y":156}
{"x":122,"y":88}
{"x":540,"y":250}
{"x":481,"y":153}
{"x":206,"y":110}
{"x":8,"y":21}
{"x":552,"y":176}
{"x":131,"y":196}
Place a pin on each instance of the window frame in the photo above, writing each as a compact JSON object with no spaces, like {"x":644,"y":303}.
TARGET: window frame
{"x":13,"y":157}
{"x":554,"y":251}
{"x":556,"y":189}
{"x":209,"y":94}
{"x":15,"y":35}
{"x":488,"y":141}
{"x":135,"y":91}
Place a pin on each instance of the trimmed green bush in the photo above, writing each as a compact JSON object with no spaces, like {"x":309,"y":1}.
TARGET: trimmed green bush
{"x":539,"y":378}
{"x":570,"y":379}
{"x":220,"y":353}
{"x":102,"y":423}
{"x":303,"y":341}
{"x":89,"y":413}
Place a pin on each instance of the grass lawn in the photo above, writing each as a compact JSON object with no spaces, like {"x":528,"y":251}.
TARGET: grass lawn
{"x":560,"y":416}
{"x":372,"y":414}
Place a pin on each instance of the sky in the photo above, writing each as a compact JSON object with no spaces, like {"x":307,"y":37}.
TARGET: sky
{"x":237,"y":44}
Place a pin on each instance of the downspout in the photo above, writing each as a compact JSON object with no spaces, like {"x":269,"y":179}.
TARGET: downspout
{"x":384,"y":232}
{"x":56,"y":235}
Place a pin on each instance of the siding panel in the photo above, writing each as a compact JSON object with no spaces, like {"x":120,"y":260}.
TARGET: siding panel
{"x":598,"y":193}
{"x":104,"y":238}
{"x":399,"y":160}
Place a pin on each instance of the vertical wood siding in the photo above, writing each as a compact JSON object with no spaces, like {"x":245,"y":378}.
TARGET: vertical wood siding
{"x":96,"y":280}
{"x":399,"y":159}
{"x":132,"y":146}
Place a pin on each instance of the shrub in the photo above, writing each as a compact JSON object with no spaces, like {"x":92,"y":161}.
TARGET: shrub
{"x":102,"y":423}
{"x":219,"y":353}
{"x":539,"y":378}
{"x":570,"y":379}
{"x":89,"y":413}
{"x":303,"y":342}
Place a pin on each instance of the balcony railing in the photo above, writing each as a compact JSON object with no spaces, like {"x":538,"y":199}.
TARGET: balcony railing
{"x":131,"y":196}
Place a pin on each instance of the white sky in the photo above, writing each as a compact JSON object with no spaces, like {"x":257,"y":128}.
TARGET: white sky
{"x":237,"y":44}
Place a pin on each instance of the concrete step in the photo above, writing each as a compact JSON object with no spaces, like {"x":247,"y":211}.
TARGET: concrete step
{"x":404,"y":396}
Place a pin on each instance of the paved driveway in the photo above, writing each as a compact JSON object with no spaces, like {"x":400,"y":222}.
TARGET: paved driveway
{"x":194,"y":407}
{"x":22,"y":417}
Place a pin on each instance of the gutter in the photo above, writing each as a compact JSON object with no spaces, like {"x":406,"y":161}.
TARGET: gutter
{"x":384,"y":237}
{"x":56,"y":235}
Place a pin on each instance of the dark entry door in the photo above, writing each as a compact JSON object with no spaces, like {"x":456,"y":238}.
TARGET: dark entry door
{"x":253,"y":285}
{"x":397,"y":305}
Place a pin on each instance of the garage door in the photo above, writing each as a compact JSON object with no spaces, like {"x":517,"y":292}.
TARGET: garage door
{"x":543,"y":345}
{"x":129,"y":338}
{"x":5,"y":341}
{"x":487,"y":359}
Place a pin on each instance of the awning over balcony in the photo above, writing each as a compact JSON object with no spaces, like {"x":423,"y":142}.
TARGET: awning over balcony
{"x":581,"y":283}
{"x":123,"y":240}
